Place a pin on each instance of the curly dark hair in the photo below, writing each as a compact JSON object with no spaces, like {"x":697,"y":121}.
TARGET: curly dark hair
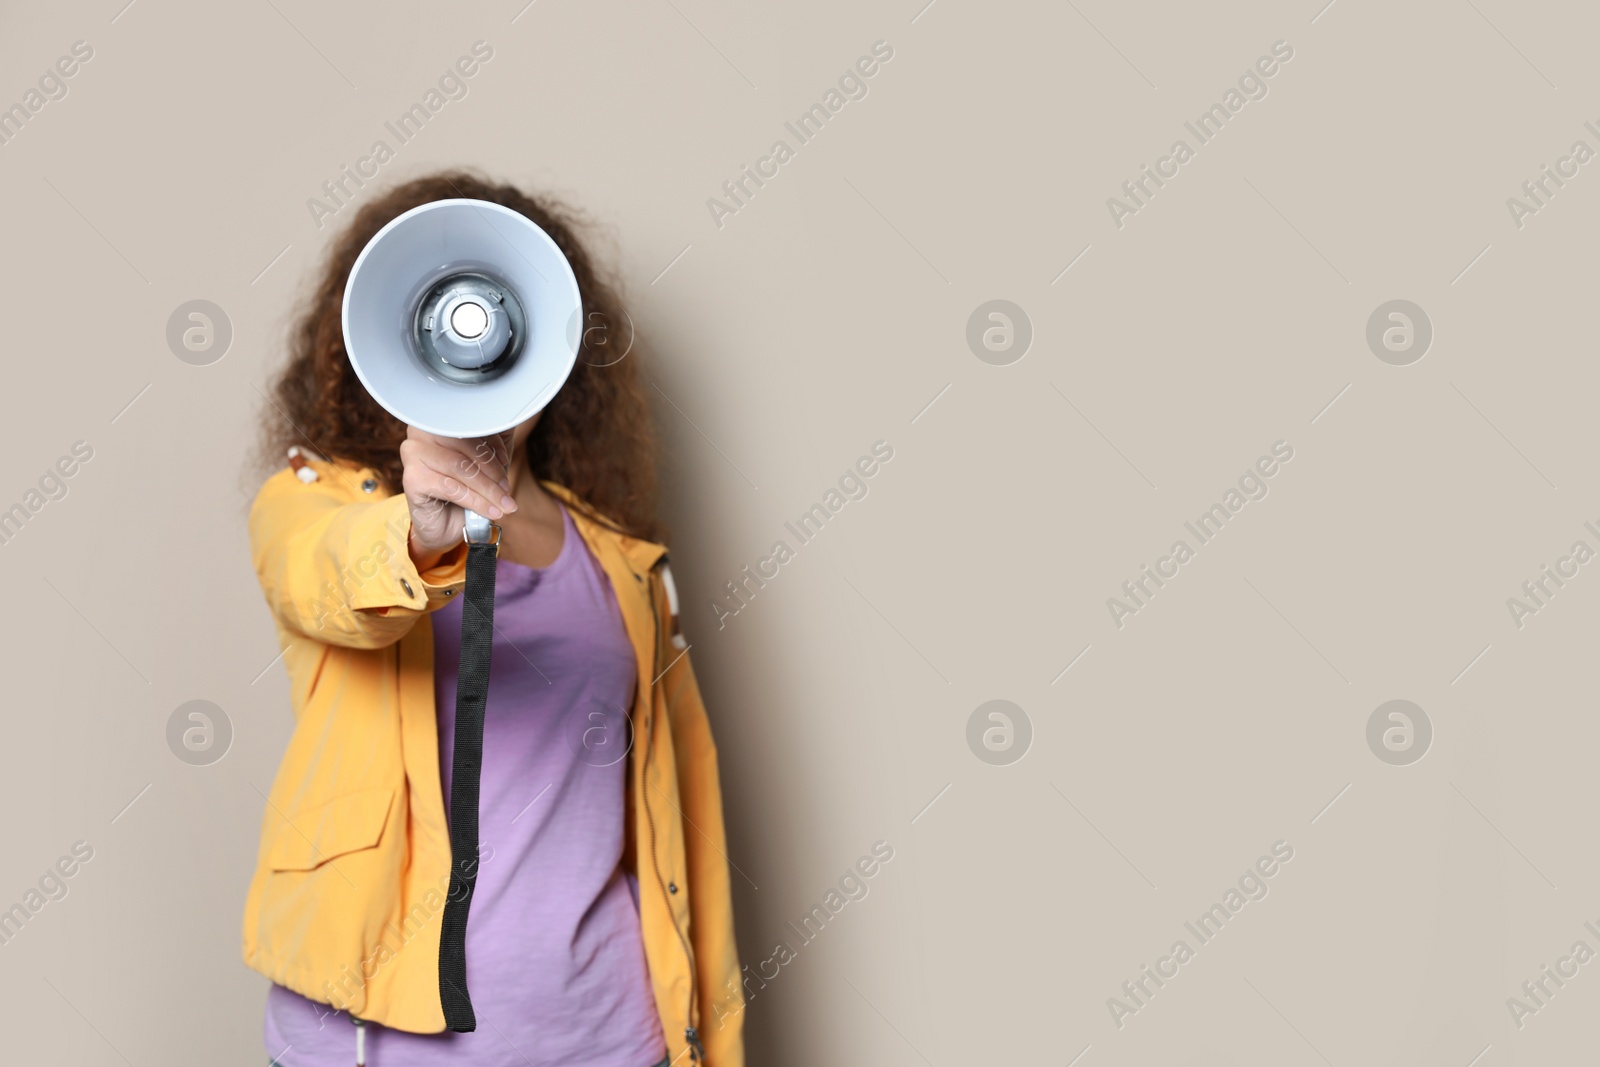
{"x":596,"y":437}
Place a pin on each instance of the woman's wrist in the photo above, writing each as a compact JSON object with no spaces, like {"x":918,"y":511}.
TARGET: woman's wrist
{"x":424,"y":559}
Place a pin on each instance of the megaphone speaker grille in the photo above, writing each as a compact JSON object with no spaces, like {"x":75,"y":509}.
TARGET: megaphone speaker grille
{"x":470,"y":327}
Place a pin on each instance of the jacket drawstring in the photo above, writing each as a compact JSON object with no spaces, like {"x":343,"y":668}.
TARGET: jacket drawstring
{"x":361,"y":1041}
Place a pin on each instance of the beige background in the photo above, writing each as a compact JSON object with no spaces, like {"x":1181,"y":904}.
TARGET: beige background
{"x":1225,"y":316}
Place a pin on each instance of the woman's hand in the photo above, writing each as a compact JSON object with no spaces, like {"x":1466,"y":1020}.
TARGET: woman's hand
{"x":443,"y":476}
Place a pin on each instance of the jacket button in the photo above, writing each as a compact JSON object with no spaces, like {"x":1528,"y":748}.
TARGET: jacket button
{"x":407,"y":587}
{"x":672,"y":887}
{"x":369,"y":485}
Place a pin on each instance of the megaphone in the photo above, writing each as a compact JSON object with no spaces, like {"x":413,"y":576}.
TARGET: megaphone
{"x":462,"y":318}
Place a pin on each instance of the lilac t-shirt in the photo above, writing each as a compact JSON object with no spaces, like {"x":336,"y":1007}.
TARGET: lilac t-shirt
{"x":555,"y":955}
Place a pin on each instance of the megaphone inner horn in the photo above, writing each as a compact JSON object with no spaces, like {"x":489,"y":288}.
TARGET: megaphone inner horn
{"x":469,"y":327}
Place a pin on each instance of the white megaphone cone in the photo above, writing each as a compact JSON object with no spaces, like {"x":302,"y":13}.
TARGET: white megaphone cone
{"x":462,"y":318}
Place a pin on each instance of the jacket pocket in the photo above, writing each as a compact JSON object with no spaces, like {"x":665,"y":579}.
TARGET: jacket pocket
{"x":317,"y":834}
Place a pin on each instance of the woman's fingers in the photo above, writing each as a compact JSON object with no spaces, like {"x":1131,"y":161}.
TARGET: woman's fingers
{"x":467,"y":481}
{"x":483,"y":453}
{"x":492,"y":454}
{"x":430,"y":484}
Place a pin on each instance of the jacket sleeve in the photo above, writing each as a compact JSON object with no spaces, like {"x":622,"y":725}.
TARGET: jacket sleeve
{"x":338,"y":570}
{"x":721,"y":995}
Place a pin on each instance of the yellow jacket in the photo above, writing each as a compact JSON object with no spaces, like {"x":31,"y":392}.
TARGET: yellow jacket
{"x":354,"y":864}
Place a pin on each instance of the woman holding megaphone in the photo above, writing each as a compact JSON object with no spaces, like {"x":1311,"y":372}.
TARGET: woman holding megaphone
{"x":507,"y":864}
